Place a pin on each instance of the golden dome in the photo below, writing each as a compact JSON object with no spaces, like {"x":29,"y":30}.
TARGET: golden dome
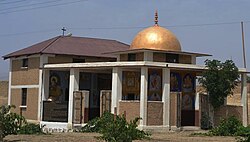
{"x":156,"y":37}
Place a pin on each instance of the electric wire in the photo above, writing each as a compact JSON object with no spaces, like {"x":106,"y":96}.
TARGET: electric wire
{"x":18,"y":1}
{"x":39,"y":7}
{"x":117,"y":28}
{"x":28,"y":5}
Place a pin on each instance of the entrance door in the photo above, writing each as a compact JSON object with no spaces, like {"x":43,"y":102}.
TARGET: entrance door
{"x":188,"y":109}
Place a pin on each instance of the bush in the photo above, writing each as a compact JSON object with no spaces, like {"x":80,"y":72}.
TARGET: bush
{"x":96,"y":124}
{"x":244,"y":132}
{"x":227,"y":127}
{"x":31,"y":128}
{"x":116,"y":128}
{"x":10,"y":122}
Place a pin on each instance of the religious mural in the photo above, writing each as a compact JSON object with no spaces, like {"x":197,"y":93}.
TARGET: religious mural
{"x":188,"y":101}
{"x":188,"y":97}
{"x":59,"y":86}
{"x":188,"y":83}
{"x":130,"y":85}
{"x":175,"y":82}
{"x":155,"y":85}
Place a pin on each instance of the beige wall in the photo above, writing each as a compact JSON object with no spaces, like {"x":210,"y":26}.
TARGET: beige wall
{"x":226,"y":111}
{"x":25,"y":76}
{"x":132,"y":109}
{"x":155,"y":113}
{"x":32,"y":102}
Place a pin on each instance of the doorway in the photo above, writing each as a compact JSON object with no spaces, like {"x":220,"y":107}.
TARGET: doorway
{"x":188,"y":109}
{"x":94,"y":83}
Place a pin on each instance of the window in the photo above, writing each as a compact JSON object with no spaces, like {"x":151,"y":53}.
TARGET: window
{"x":131,"y":57}
{"x":172,"y":58}
{"x":25,"y":63}
{"x":24,"y":97}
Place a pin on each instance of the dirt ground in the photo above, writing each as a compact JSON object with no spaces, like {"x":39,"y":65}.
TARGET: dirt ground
{"x":183,"y":136}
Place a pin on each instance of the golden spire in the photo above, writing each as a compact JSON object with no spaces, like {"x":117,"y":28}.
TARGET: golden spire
{"x":156,"y":18}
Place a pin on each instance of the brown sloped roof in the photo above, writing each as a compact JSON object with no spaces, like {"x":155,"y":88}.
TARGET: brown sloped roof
{"x":69,"y":45}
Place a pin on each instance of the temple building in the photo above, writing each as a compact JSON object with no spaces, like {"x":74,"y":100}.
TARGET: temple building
{"x":66,"y":81}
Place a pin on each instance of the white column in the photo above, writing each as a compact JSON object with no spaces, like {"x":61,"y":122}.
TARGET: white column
{"x":73,"y":86}
{"x":44,"y":91}
{"x":143,"y":96}
{"x":43,"y":60}
{"x":166,"y":96}
{"x":45,"y":85}
{"x":9,"y":91}
{"x":197,"y":101}
{"x":244,"y":98}
{"x":116,"y":89}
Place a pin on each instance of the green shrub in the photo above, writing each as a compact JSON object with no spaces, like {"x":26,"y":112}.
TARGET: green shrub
{"x":97,"y":123}
{"x":227,"y":127}
{"x":116,"y":128}
{"x":10,"y":122}
{"x":244,"y":133}
{"x":31,"y":128}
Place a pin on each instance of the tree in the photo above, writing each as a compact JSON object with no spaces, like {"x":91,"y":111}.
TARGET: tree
{"x":219,"y":80}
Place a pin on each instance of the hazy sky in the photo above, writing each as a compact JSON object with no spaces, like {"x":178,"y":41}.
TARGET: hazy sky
{"x":205,"y":26}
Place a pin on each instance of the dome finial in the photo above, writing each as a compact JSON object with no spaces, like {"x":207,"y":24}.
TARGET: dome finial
{"x":156,"y":18}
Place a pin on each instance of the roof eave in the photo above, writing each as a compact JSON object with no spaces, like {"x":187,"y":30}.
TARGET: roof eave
{"x":154,"y":50}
